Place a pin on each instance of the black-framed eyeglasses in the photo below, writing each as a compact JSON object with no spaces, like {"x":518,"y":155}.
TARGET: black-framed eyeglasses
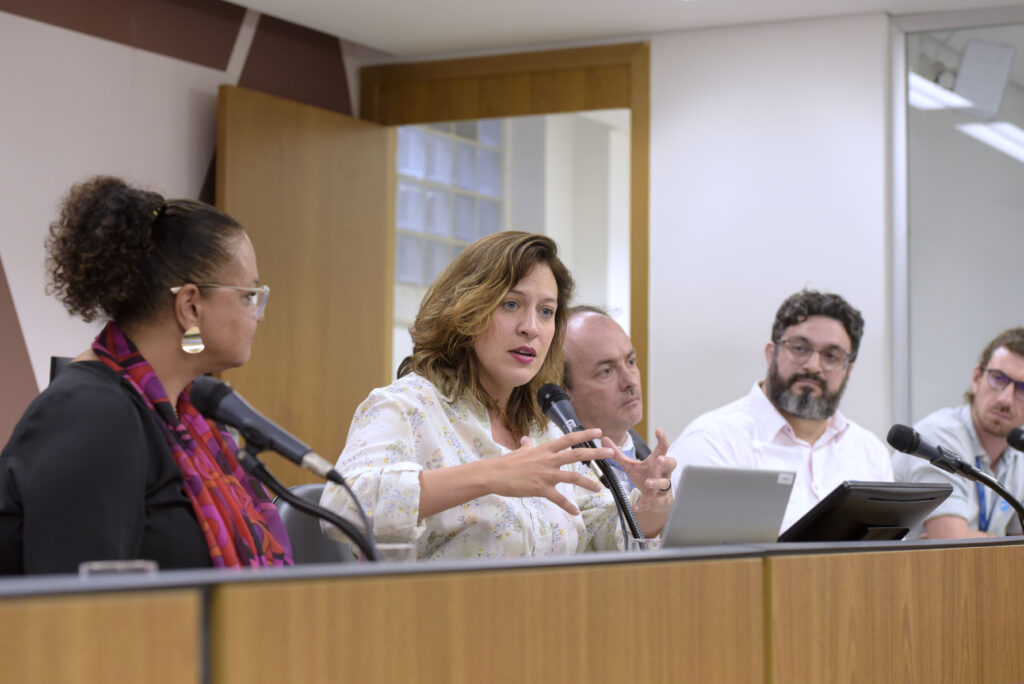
{"x":998,"y":380}
{"x":256,"y":296}
{"x":801,"y":351}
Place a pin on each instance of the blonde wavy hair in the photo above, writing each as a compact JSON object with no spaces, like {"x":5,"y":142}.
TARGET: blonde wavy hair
{"x":460,"y":305}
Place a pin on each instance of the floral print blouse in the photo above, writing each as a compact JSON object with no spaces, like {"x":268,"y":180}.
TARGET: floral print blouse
{"x":409,"y":426}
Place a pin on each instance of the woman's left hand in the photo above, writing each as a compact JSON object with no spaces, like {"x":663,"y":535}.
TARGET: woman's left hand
{"x":652,"y":477}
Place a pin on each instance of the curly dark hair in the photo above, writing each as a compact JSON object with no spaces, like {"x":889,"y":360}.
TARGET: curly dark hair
{"x":116,"y":250}
{"x":459,"y":306}
{"x":800,"y":306}
{"x":1012,"y":340}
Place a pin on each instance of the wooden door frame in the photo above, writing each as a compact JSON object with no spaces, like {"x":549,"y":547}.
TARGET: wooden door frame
{"x":530,"y":83}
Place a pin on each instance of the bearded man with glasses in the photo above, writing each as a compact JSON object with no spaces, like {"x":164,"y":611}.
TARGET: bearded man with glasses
{"x":976,"y":431}
{"x":790,"y":420}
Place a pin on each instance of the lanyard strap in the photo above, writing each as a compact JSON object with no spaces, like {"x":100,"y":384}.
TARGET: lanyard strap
{"x":983,"y":515}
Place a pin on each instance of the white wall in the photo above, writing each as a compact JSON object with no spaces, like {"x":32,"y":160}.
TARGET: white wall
{"x":79,"y":106}
{"x":769,"y":173}
{"x":617,"y":286}
{"x":569,"y":178}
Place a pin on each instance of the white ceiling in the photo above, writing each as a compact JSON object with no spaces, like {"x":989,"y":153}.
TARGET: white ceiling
{"x":418,"y":28}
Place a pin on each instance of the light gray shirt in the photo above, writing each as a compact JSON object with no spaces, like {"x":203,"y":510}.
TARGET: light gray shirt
{"x":953,"y":429}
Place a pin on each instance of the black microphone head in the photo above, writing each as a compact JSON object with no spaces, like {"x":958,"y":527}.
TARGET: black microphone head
{"x":1016,"y":439}
{"x":207,"y":393}
{"x":549,"y":394}
{"x":903,"y":438}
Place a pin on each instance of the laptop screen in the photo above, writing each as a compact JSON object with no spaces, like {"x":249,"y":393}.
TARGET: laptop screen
{"x":727,"y":506}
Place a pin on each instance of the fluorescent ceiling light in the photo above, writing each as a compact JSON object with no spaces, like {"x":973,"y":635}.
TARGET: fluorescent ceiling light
{"x":1002,"y":135}
{"x":923,"y":94}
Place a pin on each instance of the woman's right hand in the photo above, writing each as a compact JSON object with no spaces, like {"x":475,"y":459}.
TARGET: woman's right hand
{"x":528,"y":471}
{"x":535,"y":470}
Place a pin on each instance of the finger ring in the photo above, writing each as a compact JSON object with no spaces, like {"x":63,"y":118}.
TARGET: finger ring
{"x":666,"y":488}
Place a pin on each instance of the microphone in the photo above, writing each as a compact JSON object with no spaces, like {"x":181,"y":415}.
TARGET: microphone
{"x":217,"y":400}
{"x":910,"y":441}
{"x":1016,"y":439}
{"x":557,"y":406}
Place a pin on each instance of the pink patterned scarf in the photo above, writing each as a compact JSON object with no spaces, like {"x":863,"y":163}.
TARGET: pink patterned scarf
{"x":238,"y":519}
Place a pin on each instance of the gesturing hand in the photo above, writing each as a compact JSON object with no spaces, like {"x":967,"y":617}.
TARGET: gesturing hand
{"x":536,"y":470}
{"x":651,"y":477}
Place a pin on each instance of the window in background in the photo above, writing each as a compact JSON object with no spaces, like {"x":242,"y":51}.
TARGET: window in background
{"x":450,"y":193}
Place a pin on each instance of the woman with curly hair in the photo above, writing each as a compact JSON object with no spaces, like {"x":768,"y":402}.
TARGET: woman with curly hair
{"x":456,"y":455}
{"x":112,"y":461}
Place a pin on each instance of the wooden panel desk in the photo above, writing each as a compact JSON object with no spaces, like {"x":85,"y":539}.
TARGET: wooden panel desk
{"x":672,"y":621}
{"x":153,"y":637}
{"x":953,"y":614}
{"x":886,"y":612}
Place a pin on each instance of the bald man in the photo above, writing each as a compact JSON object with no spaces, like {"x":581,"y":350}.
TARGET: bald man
{"x":603,"y":382}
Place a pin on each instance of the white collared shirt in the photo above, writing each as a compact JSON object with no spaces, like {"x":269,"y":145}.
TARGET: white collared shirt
{"x":628,"y":449}
{"x":751,"y":433}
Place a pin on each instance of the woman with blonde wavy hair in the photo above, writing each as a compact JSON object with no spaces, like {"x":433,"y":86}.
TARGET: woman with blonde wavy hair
{"x":456,"y":455}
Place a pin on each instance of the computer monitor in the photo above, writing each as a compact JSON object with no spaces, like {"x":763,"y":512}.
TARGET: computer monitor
{"x":868,"y":511}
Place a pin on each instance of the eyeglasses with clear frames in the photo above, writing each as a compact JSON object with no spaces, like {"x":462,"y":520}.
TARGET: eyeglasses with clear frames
{"x":257,"y":296}
{"x":998,"y":380}
{"x":800,"y":350}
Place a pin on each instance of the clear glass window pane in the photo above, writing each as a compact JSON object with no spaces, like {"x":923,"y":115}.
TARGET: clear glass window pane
{"x":489,"y":131}
{"x":412,"y":156}
{"x":445,"y":126}
{"x":465,"y":166}
{"x":466,"y":129}
{"x":439,"y":158}
{"x":439,"y":213}
{"x":439,"y":255}
{"x":409,"y":206}
{"x":401,"y":346}
{"x":409,"y":260}
{"x":407,"y":302}
{"x":490,"y":217}
{"x":465,"y":218}
{"x":488,"y":176}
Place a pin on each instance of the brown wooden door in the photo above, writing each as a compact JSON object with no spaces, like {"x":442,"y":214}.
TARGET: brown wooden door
{"x":314,"y":190}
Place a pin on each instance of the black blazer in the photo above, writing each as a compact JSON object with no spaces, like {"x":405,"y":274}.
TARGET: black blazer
{"x":640,"y":446}
{"x":88,"y":475}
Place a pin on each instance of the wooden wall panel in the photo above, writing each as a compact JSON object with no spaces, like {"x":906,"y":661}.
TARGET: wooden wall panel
{"x":697,"y":621}
{"x":528,"y":83}
{"x":151,"y":637}
{"x":941,"y":615}
{"x":315,"y":191}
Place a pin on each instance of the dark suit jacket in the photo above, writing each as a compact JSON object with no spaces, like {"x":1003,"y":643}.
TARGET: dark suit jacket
{"x":642,"y":450}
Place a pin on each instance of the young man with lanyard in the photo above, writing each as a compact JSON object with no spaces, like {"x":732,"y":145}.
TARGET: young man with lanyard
{"x":976,"y":432}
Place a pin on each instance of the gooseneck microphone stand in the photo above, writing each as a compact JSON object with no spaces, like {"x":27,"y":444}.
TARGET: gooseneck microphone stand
{"x":997,"y":487}
{"x":248,"y":458}
{"x":554,"y":402}
{"x":611,"y":481}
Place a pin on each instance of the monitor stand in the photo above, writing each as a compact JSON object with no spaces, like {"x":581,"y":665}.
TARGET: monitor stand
{"x":884,"y":533}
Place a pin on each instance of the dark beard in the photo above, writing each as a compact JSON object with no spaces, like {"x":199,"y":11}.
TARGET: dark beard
{"x":803,"y":404}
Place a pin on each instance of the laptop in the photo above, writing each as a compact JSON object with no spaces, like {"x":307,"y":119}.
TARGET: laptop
{"x":727,"y":506}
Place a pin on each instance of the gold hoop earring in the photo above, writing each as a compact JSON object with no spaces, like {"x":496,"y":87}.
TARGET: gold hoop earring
{"x":192,"y":341}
